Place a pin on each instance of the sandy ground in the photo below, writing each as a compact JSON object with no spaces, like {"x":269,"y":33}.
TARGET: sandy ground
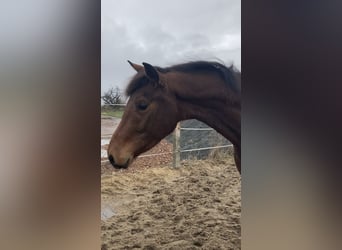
{"x":108,"y":125}
{"x":196,"y":206}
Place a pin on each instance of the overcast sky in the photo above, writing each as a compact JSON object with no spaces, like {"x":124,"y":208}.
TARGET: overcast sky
{"x":167,"y":32}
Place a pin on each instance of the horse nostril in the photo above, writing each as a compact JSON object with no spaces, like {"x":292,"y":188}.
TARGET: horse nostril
{"x":111,"y":159}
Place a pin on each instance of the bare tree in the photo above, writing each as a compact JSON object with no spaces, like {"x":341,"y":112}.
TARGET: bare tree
{"x":112,"y":96}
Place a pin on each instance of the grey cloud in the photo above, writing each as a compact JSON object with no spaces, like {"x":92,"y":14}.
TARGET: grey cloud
{"x":164,"y":33}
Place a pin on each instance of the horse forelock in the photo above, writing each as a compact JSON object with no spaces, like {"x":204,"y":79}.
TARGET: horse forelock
{"x":138,"y":81}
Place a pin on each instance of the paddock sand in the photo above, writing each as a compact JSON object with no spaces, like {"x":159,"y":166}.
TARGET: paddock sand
{"x":197,"y":206}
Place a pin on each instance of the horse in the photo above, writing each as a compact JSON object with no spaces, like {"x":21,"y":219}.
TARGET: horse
{"x":158,"y":98}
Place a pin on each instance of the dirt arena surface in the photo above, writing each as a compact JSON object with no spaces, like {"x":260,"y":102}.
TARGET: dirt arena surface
{"x":196,"y":206}
{"x":108,"y":125}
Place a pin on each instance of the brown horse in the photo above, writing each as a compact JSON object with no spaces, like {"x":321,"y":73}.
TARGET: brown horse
{"x":161,"y":97}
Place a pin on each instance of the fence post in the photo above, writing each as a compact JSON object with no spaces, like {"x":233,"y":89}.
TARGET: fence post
{"x":176,"y":147}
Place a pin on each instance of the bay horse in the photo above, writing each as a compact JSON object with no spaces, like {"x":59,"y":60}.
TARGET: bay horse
{"x":161,"y":97}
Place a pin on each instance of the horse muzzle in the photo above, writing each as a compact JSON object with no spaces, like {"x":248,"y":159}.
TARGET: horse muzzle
{"x":119,"y":162}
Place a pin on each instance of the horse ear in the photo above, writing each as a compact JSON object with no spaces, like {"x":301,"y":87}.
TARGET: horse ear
{"x":137,"y":67}
{"x":151,"y":72}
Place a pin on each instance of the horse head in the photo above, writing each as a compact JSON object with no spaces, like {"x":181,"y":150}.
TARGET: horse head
{"x":149,"y":116}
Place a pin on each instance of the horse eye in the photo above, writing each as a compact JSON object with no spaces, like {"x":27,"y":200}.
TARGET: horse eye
{"x":142,"y":106}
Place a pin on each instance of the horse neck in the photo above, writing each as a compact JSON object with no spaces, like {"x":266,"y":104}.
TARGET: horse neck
{"x":208,"y":99}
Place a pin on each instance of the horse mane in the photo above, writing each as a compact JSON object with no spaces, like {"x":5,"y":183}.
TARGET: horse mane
{"x":230,"y":74}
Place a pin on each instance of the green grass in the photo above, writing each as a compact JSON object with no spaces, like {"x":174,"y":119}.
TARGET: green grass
{"x":105,"y":111}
